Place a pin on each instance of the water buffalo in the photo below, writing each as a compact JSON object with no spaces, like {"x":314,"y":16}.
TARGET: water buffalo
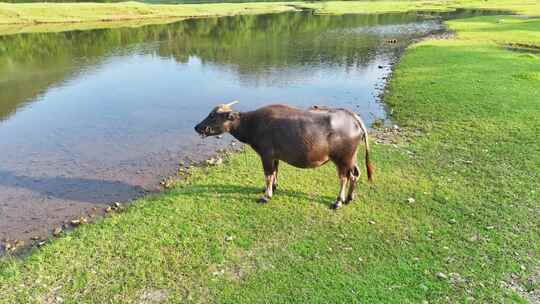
{"x":302,"y":138}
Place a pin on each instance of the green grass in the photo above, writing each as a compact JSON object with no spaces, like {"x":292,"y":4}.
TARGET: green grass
{"x":529,"y":7}
{"x":469,"y":157}
{"x":54,"y":17}
{"x":31,"y":13}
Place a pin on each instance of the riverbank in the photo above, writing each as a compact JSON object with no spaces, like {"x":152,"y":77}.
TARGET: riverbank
{"x":54,"y":17}
{"x":452,"y":215}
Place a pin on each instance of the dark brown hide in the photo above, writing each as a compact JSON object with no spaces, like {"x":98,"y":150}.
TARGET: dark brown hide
{"x":302,"y":138}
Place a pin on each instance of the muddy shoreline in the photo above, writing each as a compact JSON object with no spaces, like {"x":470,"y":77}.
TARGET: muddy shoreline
{"x":20,"y":247}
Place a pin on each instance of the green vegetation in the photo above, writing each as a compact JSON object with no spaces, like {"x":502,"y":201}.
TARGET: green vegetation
{"x":468,"y":157}
{"x":94,"y":12}
{"x":529,"y":7}
{"x":34,"y":15}
{"x":52,"y":17}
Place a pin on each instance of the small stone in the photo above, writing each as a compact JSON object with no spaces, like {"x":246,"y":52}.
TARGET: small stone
{"x":215,"y":161}
{"x":108,"y":209}
{"x":360,"y":259}
{"x":116,"y":205}
{"x":83,"y":220}
{"x":522,"y":267}
{"x":490,"y":227}
{"x":75,"y":222}
{"x":229,"y":238}
{"x":441,"y":276}
{"x":41,"y":243}
{"x":411,"y":200}
{"x":455,"y":278}
{"x":452,"y":221}
{"x":371,"y":222}
{"x":35,"y":238}
{"x":475,"y":238}
{"x":57,"y":231}
{"x":154,"y":296}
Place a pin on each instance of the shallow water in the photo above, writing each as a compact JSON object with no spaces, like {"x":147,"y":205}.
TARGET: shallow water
{"x":92,"y":117}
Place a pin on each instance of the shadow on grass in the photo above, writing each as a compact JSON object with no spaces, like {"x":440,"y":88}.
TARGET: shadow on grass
{"x":248,"y":193}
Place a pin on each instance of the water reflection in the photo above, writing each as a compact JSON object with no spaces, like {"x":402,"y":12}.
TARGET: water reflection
{"x":255,"y":48}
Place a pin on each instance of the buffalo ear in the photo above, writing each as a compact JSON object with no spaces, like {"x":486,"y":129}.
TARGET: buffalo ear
{"x":232,"y":116}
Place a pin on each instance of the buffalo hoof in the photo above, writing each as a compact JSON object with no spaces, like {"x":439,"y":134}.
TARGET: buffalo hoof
{"x":263,"y":199}
{"x":349,"y":199}
{"x":336,"y":205}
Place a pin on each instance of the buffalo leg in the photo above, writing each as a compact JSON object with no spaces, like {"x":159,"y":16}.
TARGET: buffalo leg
{"x":343,"y":179}
{"x":269,"y":176}
{"x":275,"y":184}
{"x":354,"y":175}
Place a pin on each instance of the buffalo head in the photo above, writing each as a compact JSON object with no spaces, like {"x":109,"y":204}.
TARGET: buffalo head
{"x":218,"y":121}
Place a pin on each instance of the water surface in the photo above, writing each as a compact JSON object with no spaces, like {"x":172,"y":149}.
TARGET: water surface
{"x":92,"y":117}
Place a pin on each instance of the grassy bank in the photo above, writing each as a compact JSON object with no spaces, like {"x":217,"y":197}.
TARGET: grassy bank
{"x":468,"y":158}
{"x":53,"y":17}
{"x":529,"y":7}
{"x":28,"y":13}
